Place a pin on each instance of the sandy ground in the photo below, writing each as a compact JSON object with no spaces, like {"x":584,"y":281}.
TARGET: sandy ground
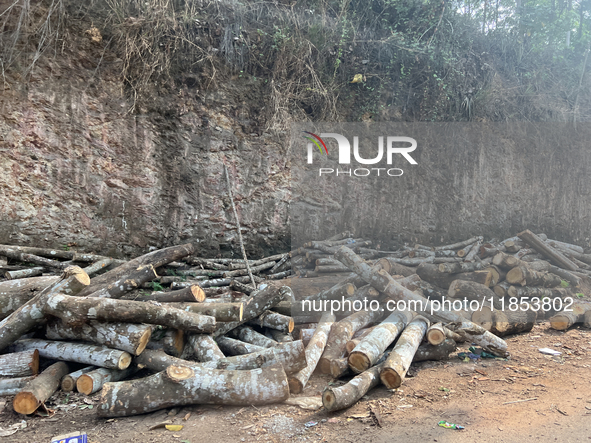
{"x":474,"y":395}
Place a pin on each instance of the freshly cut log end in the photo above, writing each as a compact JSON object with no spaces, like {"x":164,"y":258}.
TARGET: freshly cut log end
{"x":436,"y":334}
{"x":78,"y":273}
{"x":84,"y":384}
{"x":179,"y":373}
{"x":359,"y":361}
{"x":339,"y":367}
{"x":390,"y":378}
{"x":563,"y":320}
{"x":295,"y":386}
{"x":39,"y":389}
{"x":329,"y":399}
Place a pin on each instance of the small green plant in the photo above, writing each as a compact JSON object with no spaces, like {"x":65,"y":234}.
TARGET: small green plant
{"x":156,"y":286}
{"x":65,"y":247}
{"x":564,"y":284}
{"x":580,"y":294}
{"x":66,"y":400}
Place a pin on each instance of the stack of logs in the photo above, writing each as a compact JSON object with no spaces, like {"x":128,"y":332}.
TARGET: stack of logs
{"x":213,"y":339}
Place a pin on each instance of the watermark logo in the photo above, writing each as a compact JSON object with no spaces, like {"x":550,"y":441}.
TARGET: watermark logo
{"x":388,"y":146}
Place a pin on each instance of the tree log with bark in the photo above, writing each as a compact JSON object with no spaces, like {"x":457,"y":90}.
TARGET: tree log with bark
{"x":15,"y":293}
{"x":427,"y":351}
{"x":547,"y":251}
{"x":39,"y":389}
{"x":431,"y":273}
{"x":76,"y":311}
{"x":181,"y":385}
{"x":19,"y":364}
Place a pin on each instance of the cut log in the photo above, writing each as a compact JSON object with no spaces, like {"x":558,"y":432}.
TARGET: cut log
{"x":394,"y":268}
{"x":205,"y":347}
{"x":306,"y":335}
{"x":547,"y":251}
{"x":43,"y":252}
{"x":565,"y":246}
{"x":76,"y":310}
{"x":19,"y":364}
{"x":39,"y":389}
{"x":483,"y":317}
{"x":336,"y":292}
{"x":274,"y":320}
{"x":431,"y":273}
{"x":279,"y":336}
{"x":314,"y":351}
{"x":371,"y":347}
{"x":228,"y":281}
{"x":68,"y":382}
{"x":21,"y":321}
{"x":260,"y":301}
{"x":436,"y":334}
{"x":155,"y":259}
{"x":98,"y":266}
{"x":172,"y":342}
{"x":133,"y":280}
{"x":254,"y":263}
{"x":458,"y":245}
{"x":342,"y":332}
{"x":179,"y":386}
{"x":23,"y":273}
{"x":12,"y":386}
{"x":501,"y":289}
{"x":535,"y":291}
{"x":474,"y":250}
{"x":457,"y":267}
{"x":383,"y":282}
{"x":497,"y":274}
{"x":129,"y":337}
{"x":506,"y":261}
{"x":512,"y":322}
{"x":93,"y":381}
{"x":15,"y":293}
{"x":565,"y":319}
{"x":241,"y":287}
{"x":513,"y":246}
{"x":462,"y":289}
{"x":76,"y":352}
{"x":279,"y":275}
{"x":249,"y":335}
{"x":430,"y":291}
{"x":435,"y":352}
{"x":193,"y":294}
{"x":399,"y":360}
{"x":523,"y":275}
{"x":488,"y":250}
{"x":231,"y":346}
{"x":339,"y":367}
{"x":342,"y":397}
{"x":254,"y":269}
{"x":32,"y":258}
{"x":222,"y":312}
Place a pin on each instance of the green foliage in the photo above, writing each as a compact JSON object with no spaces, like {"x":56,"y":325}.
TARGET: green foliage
{"x":157,"y":286}
{"x":564,"y":284}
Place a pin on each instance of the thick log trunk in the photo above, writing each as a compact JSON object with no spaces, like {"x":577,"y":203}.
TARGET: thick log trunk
{"x":179,"y":386}
{"x":279,"y":275}
{"x":249,"y":335}
{"x":23,"y":273}
{"x":506,"y":261}
{"x":383,"y":282}
{"x":76,"y":352}
{"x":133,"y":280}
{"x":93,"y":381}
{"x":240,"y":287}
{"x":68,"y":382}
{"x":32,"y":258}
{"x":12,"y":386}
{"x":497,"y":274}
{"x":76,"y":310}
{"x":470,"y":290}
{"x":436,"y":334}
{"x":523,"y":275}
{"x":372,"y":346}
{"x":260,"y":301}
{"x":342,"y":332}
{"x":314,"y":351}
{"x":488,"y":250}
{"x":274,"y":320}
{"x":21,"y":321}
{"x":339,"y":367}
{"x":98,"y":266}
{"x":43,"y":252}
{"x":566,"y":247}
{"x":39,"y":389}
{"x":565,"y":319}
{"x":458,"y":267}
{"x":399,"y":360}
{"x":394,"y":268}
{"x":431,"y":273}
{"x":129,"y":337}
{"x":156,"y":259}
{"x":435,"y":352}
{"x":222,"y":312}
{"x":512,"y":322}
{"x":279,"y":336}
{"x":19,"y":364}
{"x":335,"y":399}
{"x":231,"y":346}
{"x":172,"y":342}
{"x":205,"y":348}
{"x":193,"y":294}
{"x":547,"y":251}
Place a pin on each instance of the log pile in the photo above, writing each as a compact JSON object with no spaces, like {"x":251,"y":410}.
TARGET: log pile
{"x":170,"y":322}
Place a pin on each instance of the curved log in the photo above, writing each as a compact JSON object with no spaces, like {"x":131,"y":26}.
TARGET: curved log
{"x":180,"y":385}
